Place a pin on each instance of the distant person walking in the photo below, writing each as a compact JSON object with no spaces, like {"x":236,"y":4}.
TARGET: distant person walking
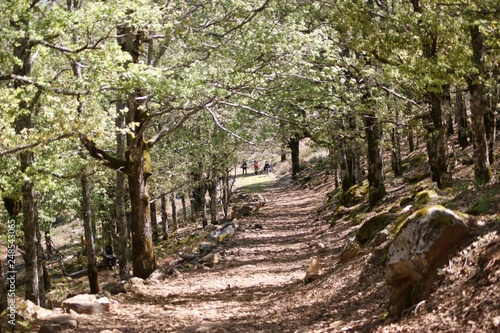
{"x":256,"y":167}
{"x":244,"y":167}
{"x":267,"y":168}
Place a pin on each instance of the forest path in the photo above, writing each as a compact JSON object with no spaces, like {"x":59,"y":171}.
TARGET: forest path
{"x":250,"y":290}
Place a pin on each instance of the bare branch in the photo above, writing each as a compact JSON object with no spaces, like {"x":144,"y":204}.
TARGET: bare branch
{"x":167,"y":130}
{"x":225,"y":129}
{"x":401,"y":96}
{"x":36,"y":144}
{"x":262,"y":113}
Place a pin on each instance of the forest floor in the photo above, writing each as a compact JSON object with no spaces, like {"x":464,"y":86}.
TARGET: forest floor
{"x":258,"y":285}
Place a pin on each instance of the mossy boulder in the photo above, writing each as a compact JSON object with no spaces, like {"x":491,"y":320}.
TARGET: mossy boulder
{"x":354,"y":195}
{"x":405,"y":201}
{"x":337,"y":214}
{"x":423,"y":243}
{"x":425,"y":197}
{"x":373,"y":226}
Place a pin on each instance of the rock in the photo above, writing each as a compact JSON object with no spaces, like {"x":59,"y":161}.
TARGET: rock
{"x":85,"y":303}
{"x":115,"y":287}
{"x":222,"y":232}
{"x":47,"y":328}
{"x":156,"y":276}
{"x":29,"y":311}
{"x":423,"y":243}
{"x":314,"y":270}
{"x":373,"y":226}
{"x":425,"y":197}
{"x":349,"y":252}
{"x":354,"y":195}
{"x":205,"y":248}
{"x":105,"y":302}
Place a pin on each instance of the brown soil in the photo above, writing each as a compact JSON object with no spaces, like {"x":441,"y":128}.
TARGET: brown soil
{"x":258,"y":285}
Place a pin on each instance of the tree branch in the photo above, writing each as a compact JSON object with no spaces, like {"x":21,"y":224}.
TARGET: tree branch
{"x":401,"y":96}
{"x":35,"y":144}
{"x":207,"y":107}
{"x":262,"y":113}
{"x":107,"y":159}
{"x":167,"y":130}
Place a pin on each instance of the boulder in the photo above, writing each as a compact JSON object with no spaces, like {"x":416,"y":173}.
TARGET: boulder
{"x":83,"y":304}
{"x":115,"y":287}
{"x":423,"y":242}
{"x":222,"y":232}
{"x":354,"y":195}
{"x":373,"y":226}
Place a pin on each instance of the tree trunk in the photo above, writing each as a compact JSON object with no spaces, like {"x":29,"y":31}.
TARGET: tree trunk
{"x":33,"y":254}
{"x":437,"y":148}
{"x":396,"y":163}
{"x":354,"y":153}
{"x":184,"y":209}
{"x":154,"y":222}
{"x":493,"y":114}
{"x":482,"y":169}
{"x":375,"y":167}
{"x":138,"y":164}
{"x":175,"y":222}
{"x":89,"y":236}
{"x":293,"y":144}
{"x":204,"y":219}
{"x":212,"y":191}
{"x":411,"y":136}
{"x":461,"y":119}
{"x":164,"y":216}
{"x":31,"y":238}
{"x":346,"y":177}
{"x":122,"y":247}
{"x":283,"y":155}
{"x":143,"y":256}
{"x":48,"y":243}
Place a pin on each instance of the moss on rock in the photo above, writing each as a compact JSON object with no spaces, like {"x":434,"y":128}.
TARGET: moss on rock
{"x":370,"y":228}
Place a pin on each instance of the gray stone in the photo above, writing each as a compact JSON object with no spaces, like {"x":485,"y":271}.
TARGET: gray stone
{"x":83,"y":304}
{"x":423,"y":243}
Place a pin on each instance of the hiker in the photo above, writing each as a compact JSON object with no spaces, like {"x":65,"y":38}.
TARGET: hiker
{"x":244,"y":167}
{"x":267,"y":168}
{"x":256,"y":167}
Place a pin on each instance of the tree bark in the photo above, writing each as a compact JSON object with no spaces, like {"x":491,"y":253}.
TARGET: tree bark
{"x":164,"y":216}
{"x":482,"y":169}
{"x":31,"y":236}
{"x":154,"y":222}
{"x":184,"y":209}
{"x":175,"y":222}
{"x":212,"y":191}
{"x":437,"y":148}
{"x":347,"y":179}
{"x":138,"y":165}
{"x":143,"y":256}
{"x":293,"y":144}
{"x":33,"y":255}
{"x":461,"y":119}
{"x":375,"y":168}
{"x":354,"y":152}
{"x":89,"y":236}
{"x":122,"y":247}
{"x":411,"y":137}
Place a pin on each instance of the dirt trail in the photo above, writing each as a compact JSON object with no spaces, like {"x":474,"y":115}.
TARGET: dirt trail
{"x":246,"y":292}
